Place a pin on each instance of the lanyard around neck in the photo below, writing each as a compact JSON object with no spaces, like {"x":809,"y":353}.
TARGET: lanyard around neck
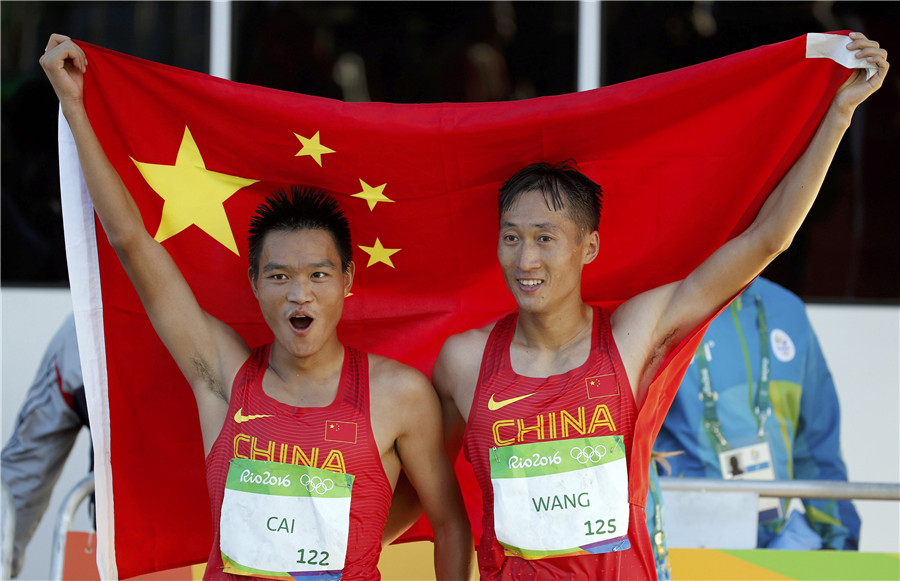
{"x":657,"y":536}
{"x":762,"y":408}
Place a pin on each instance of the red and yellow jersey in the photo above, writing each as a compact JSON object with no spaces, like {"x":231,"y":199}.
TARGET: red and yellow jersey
{"x":337,"y":437}
{"x":593,"y":400}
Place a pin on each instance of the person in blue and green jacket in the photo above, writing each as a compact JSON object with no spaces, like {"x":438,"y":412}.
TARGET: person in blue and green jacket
{"x":758,"y":402}
{"x":655,"y":522}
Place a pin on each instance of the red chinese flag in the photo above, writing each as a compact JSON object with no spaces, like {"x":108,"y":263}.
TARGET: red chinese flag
{"x":685,"y":160}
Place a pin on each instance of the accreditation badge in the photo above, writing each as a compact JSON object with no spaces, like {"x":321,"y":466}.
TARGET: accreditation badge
{"x":752,"y":462}
{"x":561,"y":498}
{"x":283,"y":521}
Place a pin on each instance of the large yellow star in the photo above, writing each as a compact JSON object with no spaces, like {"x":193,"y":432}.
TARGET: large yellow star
{"x":372,"y":195}
{"x":193,"y":194}
{"x":379,"y":253}
{"x":312,"y":148}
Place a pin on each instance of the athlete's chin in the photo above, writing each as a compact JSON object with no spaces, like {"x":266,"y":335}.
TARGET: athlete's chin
{"x":532,"y":308}
{"x":303,"y":346}
{"x":530,"y":300}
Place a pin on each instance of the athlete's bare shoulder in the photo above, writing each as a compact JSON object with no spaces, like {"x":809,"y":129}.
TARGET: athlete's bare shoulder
{"x":461,"y":347}
{"x":391,"y":379}
{"x":457,"y":366}
{"x":401,"y":398}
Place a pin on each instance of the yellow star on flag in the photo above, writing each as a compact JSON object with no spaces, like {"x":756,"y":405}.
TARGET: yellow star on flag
{"x":372,"y":195}
{"x":312,"y":148}
{"x":379,"y":253}
{"x":193,"y":194}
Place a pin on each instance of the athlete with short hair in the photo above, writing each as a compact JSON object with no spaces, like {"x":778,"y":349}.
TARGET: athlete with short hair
{"x":544,"y":400}
{"x":305,"y":428}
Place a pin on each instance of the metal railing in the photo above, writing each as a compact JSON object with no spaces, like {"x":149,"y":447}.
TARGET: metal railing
{"x":828,"y":489}
{"x":9,"y":532}
{"x":66,"y":514}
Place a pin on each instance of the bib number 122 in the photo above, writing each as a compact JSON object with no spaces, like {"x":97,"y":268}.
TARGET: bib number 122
{"x":313,"y":555}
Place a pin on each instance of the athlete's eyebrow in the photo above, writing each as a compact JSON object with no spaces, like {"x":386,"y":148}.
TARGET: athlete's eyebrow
{"x":270,"y":266}
{"x":539,"y":225}
{"x":324,"y":263}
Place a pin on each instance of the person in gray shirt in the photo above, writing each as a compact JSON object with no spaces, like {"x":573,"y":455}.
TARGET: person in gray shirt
{"x":46,"y":428}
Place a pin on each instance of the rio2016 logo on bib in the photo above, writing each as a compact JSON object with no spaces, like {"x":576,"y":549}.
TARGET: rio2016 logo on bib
{"x":561,"y":498}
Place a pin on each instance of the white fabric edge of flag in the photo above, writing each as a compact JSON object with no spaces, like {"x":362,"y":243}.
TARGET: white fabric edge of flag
{"x":87,"y":304}
{"x":834,"y":47}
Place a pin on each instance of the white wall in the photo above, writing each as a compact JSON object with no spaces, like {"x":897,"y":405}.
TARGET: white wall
{"x":862,"y":345}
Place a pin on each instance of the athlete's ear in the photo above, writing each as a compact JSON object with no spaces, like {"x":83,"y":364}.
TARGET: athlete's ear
{"x":591,"y":247}
{"x":348,"y":277}
{"x":252,"y":283}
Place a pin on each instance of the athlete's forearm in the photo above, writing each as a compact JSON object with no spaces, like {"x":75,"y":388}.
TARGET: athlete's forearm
{"x":405,"y":511}
{"x":453,"y":551}
{"x":790,"y":201}
{"x":781,"y":215}
{"x":113,"y":203}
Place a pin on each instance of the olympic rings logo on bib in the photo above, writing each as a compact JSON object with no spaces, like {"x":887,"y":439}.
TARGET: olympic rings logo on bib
{"x":316,"y":484}
{"x":588,"y":454}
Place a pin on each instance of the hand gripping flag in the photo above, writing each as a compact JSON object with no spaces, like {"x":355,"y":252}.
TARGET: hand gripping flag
{"x":685,"y":159}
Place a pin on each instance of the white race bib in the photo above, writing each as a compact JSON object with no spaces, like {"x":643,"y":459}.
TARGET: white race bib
{"x":284,"y":521}
{"x":561,"y":498}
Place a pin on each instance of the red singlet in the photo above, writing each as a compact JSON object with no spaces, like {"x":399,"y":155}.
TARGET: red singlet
{"x":578,"y":393}
{"x":335,"y":437}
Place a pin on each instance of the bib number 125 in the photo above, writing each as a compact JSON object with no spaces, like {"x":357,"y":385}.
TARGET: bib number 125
{"x":600,"y":526}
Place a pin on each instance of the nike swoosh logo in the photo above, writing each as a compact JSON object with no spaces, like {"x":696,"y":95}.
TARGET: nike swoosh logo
{"x":496,"y":405}
{"x":240,"y":417}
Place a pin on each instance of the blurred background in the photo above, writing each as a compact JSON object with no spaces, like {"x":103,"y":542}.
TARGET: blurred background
{"x":407,"y":52}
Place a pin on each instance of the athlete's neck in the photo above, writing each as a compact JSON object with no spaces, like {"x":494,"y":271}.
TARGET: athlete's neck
{"x":544,"y":345}
{"x":307,"y":381}
{"x":554,"y":331}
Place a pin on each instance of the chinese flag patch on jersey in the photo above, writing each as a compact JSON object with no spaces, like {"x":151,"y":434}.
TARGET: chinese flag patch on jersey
{"x":602,"y":385}
{"x":340,"y":432}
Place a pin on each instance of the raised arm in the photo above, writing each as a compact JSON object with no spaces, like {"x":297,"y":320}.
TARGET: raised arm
{"x":648,"y":326}
{"x":207,"y":351}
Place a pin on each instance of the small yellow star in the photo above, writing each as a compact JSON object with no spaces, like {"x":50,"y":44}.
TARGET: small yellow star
{"x":379,"y":253}
{"x":193,"y":194}
{"x":312,"y":148}
{"x":372,"y":195}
